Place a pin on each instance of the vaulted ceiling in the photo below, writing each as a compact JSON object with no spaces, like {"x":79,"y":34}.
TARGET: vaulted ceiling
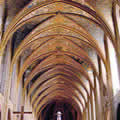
{"x":57,"y":44}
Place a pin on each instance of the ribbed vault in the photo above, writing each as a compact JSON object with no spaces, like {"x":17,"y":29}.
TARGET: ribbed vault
{"x":54,"y":59}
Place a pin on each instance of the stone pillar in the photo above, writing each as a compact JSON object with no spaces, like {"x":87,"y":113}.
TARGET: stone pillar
{"x":114,"y":74}
{"x":7,"y":81}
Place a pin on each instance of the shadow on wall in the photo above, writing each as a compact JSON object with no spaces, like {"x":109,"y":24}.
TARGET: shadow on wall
{"x":118,"y":112}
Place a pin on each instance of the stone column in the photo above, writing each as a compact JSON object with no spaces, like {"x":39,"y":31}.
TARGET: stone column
{"x":7,"y":81}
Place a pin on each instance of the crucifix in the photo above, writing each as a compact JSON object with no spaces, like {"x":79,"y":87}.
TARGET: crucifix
{"x":22,"y":113}
{"x":9,"y":114}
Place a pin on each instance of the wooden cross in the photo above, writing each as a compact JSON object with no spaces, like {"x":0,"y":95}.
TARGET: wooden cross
{"x":9,"y":114}
{"x":22,"y":113}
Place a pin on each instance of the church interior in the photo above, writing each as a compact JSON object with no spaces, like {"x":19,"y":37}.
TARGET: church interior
{"x":59,"y":59}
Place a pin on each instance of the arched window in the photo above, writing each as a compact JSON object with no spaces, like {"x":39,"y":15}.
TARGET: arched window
{"x":59,"y":111}
{"x":59,"y":115}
